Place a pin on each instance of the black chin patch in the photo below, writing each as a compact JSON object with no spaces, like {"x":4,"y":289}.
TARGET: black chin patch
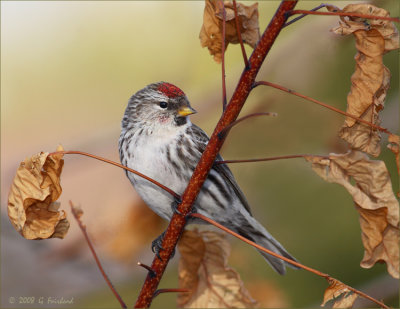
{"x":180,"y":121}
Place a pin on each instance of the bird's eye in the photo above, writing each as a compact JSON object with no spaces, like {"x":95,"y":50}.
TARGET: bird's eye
{"x":163,"y":104}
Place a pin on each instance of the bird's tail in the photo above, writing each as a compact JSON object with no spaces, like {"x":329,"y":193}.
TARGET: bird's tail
{"x":257,"y":233}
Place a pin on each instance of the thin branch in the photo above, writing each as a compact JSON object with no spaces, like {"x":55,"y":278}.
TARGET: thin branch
{"x":225,"y":130}
{"x":242,"y":91}
{"x":148,"y":268}
{"x":246,"y":60}
{"x":77,"y":215}
{"x":265,"y":83}
{"x":224,"y":99}
{"x":379,"y":303}
{"x":304,"y":15}
{"x":170,"y":191}
{"x":158,"y":292}
{"x":297,"y":264}
{"x":270,"y":159}
{"x":349,"y":14}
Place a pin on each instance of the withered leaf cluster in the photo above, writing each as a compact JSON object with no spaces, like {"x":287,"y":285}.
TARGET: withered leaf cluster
{"x":373,"y":194}
{"x":32,"y":206}
{"x":371,"y":79}
{"x":374,"y":200}
{"x":204,"y":270}
{"x":211,"y":31}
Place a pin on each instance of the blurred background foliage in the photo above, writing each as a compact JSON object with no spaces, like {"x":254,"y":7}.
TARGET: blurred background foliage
{"x":68,"y":69}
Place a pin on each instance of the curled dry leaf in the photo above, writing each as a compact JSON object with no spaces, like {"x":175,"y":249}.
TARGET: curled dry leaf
{"x":204,"y":270}
{"x":32,"y":206}
{"x":374,"y":200}
{"x":348,"y":25}
{"x":211,"y":31}
{"x":371,"y":79}
{"x":340,"y":294}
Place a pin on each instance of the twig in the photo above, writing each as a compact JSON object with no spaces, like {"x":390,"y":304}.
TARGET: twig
{"x":158,"y":292}
{"x":246,"y":61}
{"x":381,"y":304}
{"x":148,"y":268}
{"x":304,"y":15}
{"x":265,"y":83}
{"x":270,"y":159}
{"x":223,"y":132}
{"x":224,"y":99}
{"x":297,"y":264}
{"x":170,"y":191}
{"x":213,"y":147}
{"x":77,"y":215}
{"x":349,"y":14}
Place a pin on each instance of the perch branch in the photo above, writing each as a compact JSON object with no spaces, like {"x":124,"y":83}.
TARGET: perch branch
{"x":213,"y":147}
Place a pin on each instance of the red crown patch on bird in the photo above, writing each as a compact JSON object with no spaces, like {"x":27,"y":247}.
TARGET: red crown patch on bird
{"x":170,"y":90}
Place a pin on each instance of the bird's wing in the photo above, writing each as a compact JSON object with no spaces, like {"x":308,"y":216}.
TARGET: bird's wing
{"x":221,"y":169}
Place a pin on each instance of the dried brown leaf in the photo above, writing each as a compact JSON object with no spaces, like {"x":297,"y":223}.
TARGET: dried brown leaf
{"x":369,"y":85}
{"x":371,"y":79}
{"x":340,"y":294}
{"x":211,"y":31}
{"x":32,"y":206}
{"x":374,"y":200}
{"x":361,"y":136}
{"x":204,"y":270}
{"x":386,"y":28}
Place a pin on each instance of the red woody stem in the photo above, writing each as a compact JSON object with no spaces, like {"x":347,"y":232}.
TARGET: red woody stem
{"x":206,"y":162}
{"x":349,"y":14}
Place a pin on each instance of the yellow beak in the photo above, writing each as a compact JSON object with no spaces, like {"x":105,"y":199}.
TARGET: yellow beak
{"x":186,"y":111}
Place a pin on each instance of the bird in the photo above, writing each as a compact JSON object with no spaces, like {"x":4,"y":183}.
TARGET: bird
{"x":158,"y":140}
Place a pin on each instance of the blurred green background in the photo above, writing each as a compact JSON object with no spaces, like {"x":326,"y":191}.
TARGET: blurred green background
{"x":68,"y":69}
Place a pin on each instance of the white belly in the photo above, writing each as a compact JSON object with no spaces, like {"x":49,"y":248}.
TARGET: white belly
{"x":149,"y":158}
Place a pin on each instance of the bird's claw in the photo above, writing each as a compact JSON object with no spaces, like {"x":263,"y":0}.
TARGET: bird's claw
{"x":156,"y":246}
{"x":174,"y":205}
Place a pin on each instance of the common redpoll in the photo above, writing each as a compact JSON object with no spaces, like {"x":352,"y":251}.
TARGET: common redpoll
{"x":158,"y":140}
